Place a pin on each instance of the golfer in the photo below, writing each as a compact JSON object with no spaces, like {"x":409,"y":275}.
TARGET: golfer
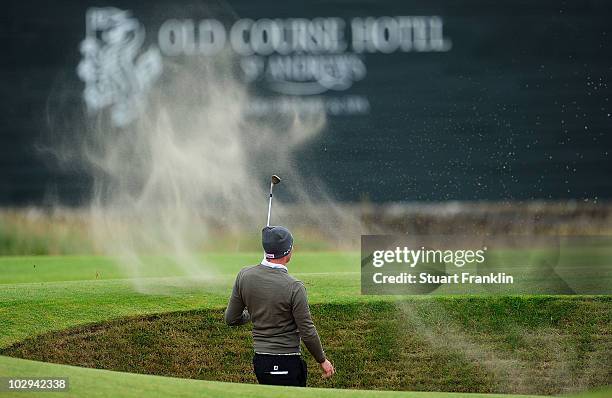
{"x":277,"y":305}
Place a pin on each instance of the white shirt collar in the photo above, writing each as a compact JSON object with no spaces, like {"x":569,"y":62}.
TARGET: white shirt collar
{"x":272,"y":265}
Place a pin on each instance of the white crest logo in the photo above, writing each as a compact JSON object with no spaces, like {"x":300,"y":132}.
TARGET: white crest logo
{"x":117,"y":74}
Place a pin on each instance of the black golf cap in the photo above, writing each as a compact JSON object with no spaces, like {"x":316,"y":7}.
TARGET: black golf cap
{"x":277,"y":241}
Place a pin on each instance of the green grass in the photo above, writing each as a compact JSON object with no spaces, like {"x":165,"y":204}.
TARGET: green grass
{"x":363,"y":341}
{"x":102,"y":383}
{"x":402,"y":345}
{"x":48,"y":304}
{"x":483,"y":342}
{"x":32,"y":269}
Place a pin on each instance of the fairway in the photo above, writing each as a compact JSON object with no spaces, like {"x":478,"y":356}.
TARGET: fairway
{"x":46,"y":299}
{"x":411,"y":343}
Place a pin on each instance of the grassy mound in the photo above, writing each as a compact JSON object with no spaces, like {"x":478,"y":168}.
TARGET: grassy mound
{"x":511,"y":345}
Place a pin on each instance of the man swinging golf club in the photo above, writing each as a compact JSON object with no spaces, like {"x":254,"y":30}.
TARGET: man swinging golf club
{"x":277,"y":305}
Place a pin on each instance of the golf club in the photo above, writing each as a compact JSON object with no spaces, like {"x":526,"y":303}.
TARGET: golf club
{"x":275,"y":180}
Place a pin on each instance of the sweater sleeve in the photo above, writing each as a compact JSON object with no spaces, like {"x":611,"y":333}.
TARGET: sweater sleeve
{"x":236,"y":314}
{"x":303,"y":320}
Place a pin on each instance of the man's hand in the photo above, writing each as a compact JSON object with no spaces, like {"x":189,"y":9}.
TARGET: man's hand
{"x":327,"y":368}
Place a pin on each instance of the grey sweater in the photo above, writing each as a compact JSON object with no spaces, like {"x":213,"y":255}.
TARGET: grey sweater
{"x":278,"y":307}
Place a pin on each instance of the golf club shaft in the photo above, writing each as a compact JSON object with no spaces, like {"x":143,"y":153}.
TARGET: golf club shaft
{"x":270,"y":204}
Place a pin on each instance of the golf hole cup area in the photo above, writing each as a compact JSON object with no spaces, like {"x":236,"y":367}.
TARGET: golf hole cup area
{"x":453,"y":264}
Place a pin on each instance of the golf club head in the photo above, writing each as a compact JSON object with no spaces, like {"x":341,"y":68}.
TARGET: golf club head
{"x":275,"y":179}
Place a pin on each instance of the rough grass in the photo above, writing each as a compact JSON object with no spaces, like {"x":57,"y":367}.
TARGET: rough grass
{"x":511,"y":345}
{"x":35,"y":232}
{"x":63,"y":231}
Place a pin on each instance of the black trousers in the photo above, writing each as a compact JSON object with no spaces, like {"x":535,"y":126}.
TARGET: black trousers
{"x":280,"y":370}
